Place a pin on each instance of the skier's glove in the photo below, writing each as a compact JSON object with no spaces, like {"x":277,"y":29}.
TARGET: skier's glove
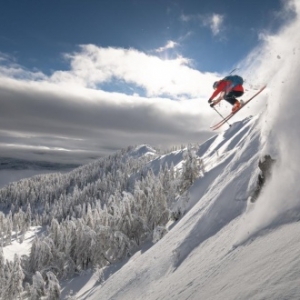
{"x":212,"y":103}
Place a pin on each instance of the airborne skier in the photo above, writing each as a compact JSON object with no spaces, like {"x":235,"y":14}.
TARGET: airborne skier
{"x":236,"y":106}
{"x":229,"y":88}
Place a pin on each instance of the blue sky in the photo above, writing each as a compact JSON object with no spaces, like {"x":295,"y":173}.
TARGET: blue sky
{"x":84,"y":78}
{"x":37,"y":32}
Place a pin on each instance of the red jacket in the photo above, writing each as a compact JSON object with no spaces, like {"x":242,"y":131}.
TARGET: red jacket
{"x":224,"y":86}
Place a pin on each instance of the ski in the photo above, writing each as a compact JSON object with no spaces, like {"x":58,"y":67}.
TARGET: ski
{"x":222,"y":122}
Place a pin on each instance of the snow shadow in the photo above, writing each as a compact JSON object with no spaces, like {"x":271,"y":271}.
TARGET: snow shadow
{"x":232,"y":135}
{"x":218,"y":191}
{"x":220,"y":212}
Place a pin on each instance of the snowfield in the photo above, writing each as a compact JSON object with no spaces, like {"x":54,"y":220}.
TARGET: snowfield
{"x":266,"y":268}
{"x":21,"y":248}
{"x":214,"y":251}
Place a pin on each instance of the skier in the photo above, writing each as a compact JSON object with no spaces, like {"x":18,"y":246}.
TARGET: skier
{"x":228,"y":91}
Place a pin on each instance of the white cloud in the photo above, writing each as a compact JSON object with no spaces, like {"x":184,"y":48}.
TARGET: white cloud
{"x":215,"y":22}
{"x":9,"y":68}
{"x":172,"y":77}
{"x":169,"y":45}
{"x":186,"y":18}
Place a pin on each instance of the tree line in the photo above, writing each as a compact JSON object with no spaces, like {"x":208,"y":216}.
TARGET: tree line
{"x":94,"y":216}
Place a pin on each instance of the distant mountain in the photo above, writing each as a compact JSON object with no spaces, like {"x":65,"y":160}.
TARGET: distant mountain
{"x":141,"y":150}
{"x":12,"y":169}
{"x":7,"y":163}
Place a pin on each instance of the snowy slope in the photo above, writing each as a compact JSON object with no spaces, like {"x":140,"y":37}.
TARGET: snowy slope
{"x":213,"y":252}
{"x":21,"y":248}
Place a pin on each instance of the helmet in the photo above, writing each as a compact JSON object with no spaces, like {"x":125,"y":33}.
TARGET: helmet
{"x":215,"y":85}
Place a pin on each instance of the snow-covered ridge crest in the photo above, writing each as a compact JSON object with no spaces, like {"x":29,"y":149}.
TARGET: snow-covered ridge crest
{"x":141,"y":150}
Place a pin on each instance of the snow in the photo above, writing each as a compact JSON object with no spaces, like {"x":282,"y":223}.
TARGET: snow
{"x":221,"y":248}
{"x":141,"y":151}
{"x":213,"y":252}
{"x":21,"y":248}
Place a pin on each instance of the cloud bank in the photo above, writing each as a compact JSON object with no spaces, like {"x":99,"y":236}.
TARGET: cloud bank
{"x":164,"y":104}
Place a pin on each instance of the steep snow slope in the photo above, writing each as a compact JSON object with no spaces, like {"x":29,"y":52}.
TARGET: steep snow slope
{"x":208,"y":254}
{"x":204,"y":241}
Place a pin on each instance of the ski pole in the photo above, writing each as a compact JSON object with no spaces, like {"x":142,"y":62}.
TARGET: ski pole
{"x":233,"y":70}
{"x":221,"y":116}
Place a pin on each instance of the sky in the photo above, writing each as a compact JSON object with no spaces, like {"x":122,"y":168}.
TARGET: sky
{"x":80,"y":79}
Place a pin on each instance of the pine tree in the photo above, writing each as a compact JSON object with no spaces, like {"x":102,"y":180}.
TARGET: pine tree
{"x":18,"y":276}
{"x":9,"y":228}
{"x":38,"y":289}
{"x":14,"y":284}
{"x":2,"y":268}
{"x":53,"y":291}
{"x":28,"y":217}
{"x":190,"y":169}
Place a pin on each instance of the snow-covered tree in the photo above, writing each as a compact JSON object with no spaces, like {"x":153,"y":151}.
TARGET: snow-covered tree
{"x":190,"y":169}
{"x":2,"y":267}
{"x":95,"y":215}
{"x":53,"y":290}
{"x":13,"y":285}
{"x":38,"y":288}
{"x":158,"y":233}
{"x":18,"y":276}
